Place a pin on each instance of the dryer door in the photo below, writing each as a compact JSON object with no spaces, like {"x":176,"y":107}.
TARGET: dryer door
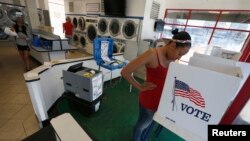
{"x":83,"y":41}
{"x":129,"y":29}
{"x":114,"y":27}
{"x":75,"y":22}
{"x":14,"y":12}
{"x":81,"y":23}
{"x":102,"y":26}
{"x":91,"y":32}
{"x":75,"y":39}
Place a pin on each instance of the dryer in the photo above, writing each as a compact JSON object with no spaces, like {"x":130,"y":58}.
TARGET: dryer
{"x":82,"y":23}
{"x":74,"y":20}
{"x":115,"y":28}
{"x":119,"y":45}
{"x":82,"y":40}
{"x":91,"y":31}
{"x":75,"y":39}
{"x":16,"y":11}
{"x":3,"y":23}
{"x":130,"y":29}
{"x":3,"y":16}
{"x":103,"y":26}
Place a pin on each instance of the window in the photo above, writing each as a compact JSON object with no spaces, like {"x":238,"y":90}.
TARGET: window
{"x":226,"y":29}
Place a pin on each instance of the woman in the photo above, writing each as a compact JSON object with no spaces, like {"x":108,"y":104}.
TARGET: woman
{"x":156,"y":61}
{"x":68,"y":28}
{"x":22,"y":41}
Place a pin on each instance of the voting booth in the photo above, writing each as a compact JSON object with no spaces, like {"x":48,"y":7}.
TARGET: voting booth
{"x":62,"y":128}
{"x":198,"y":94}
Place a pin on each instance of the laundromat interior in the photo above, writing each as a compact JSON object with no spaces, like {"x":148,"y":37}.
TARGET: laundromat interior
{"x":74,"y":89}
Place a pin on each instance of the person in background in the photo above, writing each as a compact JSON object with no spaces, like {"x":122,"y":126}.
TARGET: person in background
{"x":156,"y":61}
{"x":68,"y":29}
{"x":22,"y":41}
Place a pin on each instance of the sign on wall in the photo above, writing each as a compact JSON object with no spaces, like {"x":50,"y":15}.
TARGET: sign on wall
{"x":93,"y":7}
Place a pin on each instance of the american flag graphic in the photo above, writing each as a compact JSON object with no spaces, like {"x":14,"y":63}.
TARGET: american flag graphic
{"x":182,"y":89}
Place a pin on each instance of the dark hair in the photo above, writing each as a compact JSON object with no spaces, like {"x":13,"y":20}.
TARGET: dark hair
{"x":182,"y":36}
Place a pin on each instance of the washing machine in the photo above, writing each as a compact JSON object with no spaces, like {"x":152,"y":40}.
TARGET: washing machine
{"x":91,"y":30}
{"x":103,"y":26}
{"x":75,"y":39}
{"x":82,"y":40}
{"x":14,"y":11}
{"x":82,"y":23}
{"x":115,"y":26}
{"x":130,"y":29}
{"x":3,"y":21}
{"x":3,"y":15}
{"x":119,"y":45}
{"x":74,"y":20}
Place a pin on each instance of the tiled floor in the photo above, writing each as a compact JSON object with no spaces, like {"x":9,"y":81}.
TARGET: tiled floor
{"x":17,"y":117}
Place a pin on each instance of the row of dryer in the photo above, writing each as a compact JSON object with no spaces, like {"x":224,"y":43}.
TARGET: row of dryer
{"x":86,"y":28}
{"x":8,"y":15}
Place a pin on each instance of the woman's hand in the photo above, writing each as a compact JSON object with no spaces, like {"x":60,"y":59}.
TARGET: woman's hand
{"x":147,"y":86}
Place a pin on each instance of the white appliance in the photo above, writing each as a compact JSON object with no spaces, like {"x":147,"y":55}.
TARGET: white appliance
{"x":14,"y":11}
{"x":82,"y":40}
{"x":119,"y":45}
{"x":82,"y":23}
{"x":75,"y":39}
{"x":91,"y":24}
{"x":103,"y":26}
{"x":3,"y":15}
{"x":74,"y":20}
{"x":115,"y":26}
{"x":130,"y":29}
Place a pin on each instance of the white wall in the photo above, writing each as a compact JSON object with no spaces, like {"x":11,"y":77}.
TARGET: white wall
{"x":209,"y":4}
{"x":135,"y":8}
{"x":148,"y":23}
{"x":32,"y":13}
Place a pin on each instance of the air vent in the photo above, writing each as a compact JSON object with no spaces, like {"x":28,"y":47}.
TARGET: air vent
{"x":71,"y":6}
{"x":155,"y":10}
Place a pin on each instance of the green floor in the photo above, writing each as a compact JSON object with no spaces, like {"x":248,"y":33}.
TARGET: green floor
{"x":115,"y":119}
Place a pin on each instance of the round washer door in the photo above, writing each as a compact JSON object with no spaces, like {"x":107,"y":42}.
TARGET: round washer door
{"x":83,"y":41}
{"x":91,"y":32}
{"x":75,"y":39}
{"x":114,"y":27}
{"x":75,"y":22}
{"x":129,"y":29}
{"x":13,"y":13}
{"x":102,"y":26}
{"x":81,"y":23}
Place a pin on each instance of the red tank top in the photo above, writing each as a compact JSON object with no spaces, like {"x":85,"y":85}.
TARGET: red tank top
{"x":68,"y":27}
{"x":150,"y":99}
